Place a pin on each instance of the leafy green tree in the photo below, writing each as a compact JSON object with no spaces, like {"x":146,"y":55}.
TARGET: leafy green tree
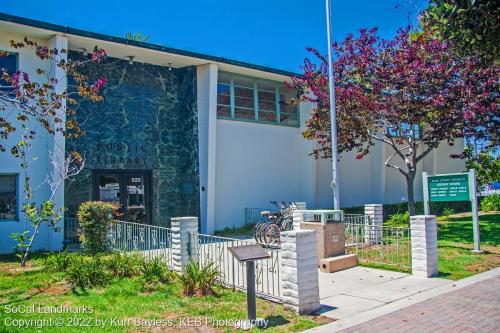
{"x":472,"y":26}
{"x":409,"y":93}
{"x":486,"y":163}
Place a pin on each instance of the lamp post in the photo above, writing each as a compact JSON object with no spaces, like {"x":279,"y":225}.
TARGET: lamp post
{"x":333,"y":114}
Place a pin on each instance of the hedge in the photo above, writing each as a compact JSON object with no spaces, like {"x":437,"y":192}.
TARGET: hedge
{"x":437,"y":208}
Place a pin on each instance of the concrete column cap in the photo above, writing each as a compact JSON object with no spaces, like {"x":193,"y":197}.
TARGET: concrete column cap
{"x":297,"y":233}
{"x":184,"y":218}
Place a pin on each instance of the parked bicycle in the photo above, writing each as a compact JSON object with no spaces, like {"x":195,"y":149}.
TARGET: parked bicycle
{"x":268,"y":232}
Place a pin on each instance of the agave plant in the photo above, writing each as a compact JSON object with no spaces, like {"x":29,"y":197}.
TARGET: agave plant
{"x":198,"y":280}
{"x":123,"y":264}
{"x":59,"y":262}
{"x":156,"y":271}
{"x":87,"y":272}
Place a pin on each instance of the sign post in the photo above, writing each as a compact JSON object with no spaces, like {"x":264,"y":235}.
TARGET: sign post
{"x":249,"y":254}
{"x":453,"y":187}
{"x":475,"y":214}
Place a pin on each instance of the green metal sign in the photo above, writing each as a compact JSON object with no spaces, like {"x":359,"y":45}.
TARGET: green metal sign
{"x":449,"y":187}
{"x":453,"y":187}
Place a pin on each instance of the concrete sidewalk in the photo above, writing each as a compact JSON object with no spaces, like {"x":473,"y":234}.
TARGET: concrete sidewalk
{"x":359,"y":289}
{"x":362,"y":294}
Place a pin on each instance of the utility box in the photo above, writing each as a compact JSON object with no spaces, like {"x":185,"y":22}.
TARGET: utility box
{"x":330,"y":238}
{"x":330,"y":231}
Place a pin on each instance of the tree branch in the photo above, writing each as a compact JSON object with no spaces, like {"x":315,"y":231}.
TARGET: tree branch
{"x":404,"y":173}
{"x":430,"y":147}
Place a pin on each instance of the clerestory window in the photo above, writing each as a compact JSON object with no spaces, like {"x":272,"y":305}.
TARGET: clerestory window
{"x":255,"y":100}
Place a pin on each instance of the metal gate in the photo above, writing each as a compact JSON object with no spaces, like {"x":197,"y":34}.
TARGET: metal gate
{"x":207,"y":248}
{"x":380,"y":246}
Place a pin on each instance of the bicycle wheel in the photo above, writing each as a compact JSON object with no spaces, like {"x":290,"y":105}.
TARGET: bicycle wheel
{"x":272,"y":234}
{"x":287,"y":224}
{"x":258,"y":233}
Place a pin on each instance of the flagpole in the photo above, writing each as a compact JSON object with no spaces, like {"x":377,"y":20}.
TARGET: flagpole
{"x":333,"y":114}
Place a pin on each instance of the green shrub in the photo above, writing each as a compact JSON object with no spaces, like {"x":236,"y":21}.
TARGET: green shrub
{"x":437,"y":208}
{"x":123,"y":264}
{"x":491,"y":203}
{"x":156,"y":271}
{"x":245,"y":229}
{"x":87,"y":272}
{"x":399,"y":219}
{"x":199,"y":281}
{"x":448,"y":211}
{"x":59,"y":262}
{"x":95,"y":218}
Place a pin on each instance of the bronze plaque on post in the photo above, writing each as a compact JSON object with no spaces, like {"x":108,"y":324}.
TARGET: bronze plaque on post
{"x":248,"y":252}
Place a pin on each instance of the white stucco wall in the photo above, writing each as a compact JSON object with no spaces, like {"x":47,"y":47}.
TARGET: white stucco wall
{"x":255,"y":163}
{"x":369,"y":181}
{"x":207,"y":113}
{"x":39,"y":168}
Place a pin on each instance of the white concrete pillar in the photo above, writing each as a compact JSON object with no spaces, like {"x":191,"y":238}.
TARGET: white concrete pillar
{"x":300,"y":286}
{"x":56,"y":143}
{"x":297,"y":214}
{"x":182,"y":228}
{"x":300,"y":205}
{"x":207,"y":120}
{"x":297,"y":219}
{"x":424,"y":253}
{"x":373,"y":230}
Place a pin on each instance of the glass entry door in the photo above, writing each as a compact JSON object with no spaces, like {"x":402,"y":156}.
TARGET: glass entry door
{"x":130,"y":190}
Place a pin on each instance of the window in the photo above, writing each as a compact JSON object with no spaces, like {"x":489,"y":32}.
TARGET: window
{"x":267,"y":102}
{"x":405,"y":130}
{"x":248,"y":99}
{"x":223,"y":96}
{"x":9,"y":64}
{"x":8,"y":197}
{"x":288,"y":113}
{"x":128,"y":189}
{"x":244,"y":107}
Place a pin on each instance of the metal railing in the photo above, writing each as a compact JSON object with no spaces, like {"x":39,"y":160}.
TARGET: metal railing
{"x":356,"y":219}
{"x":252,"y":215}
{"x":380,"y":245}
{"x":147,"y":240}
{"x":207,"y":248}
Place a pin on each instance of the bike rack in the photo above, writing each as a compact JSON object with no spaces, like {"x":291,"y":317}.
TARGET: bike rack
{"x":322,"y":215}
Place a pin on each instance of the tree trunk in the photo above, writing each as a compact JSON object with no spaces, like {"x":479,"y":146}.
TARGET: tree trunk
{"x":409,"y":190}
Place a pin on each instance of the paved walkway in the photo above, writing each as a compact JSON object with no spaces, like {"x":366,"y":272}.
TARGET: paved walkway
{"x":468,"y":305}
{"x":475,"y":308}
{"x":359,"y":289}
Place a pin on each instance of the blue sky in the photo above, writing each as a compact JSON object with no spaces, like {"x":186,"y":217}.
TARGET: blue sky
{"x":273,"y":33}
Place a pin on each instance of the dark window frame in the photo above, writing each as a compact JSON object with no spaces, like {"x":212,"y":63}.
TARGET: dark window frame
{"x":402,"y":132}
{"x":16,"y":184}
{"x":122,"y":174}
{"x":16,"y":68}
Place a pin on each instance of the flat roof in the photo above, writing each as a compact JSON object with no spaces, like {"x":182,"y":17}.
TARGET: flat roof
{"x":88,"y":34}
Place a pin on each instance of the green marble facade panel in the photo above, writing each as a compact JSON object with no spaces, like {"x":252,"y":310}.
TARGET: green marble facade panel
{"x":147,"y":121}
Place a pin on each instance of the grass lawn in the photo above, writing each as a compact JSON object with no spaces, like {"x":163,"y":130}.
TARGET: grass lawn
{"x":124,"y":300}
{"x":455,"y":242}
{"x":455,"y":260}
{"x":245,"y":231}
